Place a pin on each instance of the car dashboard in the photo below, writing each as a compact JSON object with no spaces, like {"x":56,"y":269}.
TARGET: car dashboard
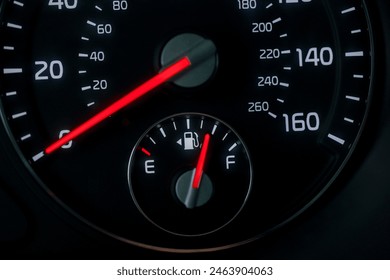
{"x":222,"y":130}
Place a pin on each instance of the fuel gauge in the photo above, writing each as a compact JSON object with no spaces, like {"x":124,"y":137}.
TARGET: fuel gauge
{"x":190,"y":174}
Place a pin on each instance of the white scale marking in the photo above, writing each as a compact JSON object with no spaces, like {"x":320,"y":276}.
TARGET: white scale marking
{"x":226,"y":135}
{"x":91,"y":23}
{"x":19,"y":115}
{"x":356,"y":31}
{"x":188,"y":123}
{"x":38,"y":156}
{"x":25,"y":137}
{"x":152,"y":140}
{"x":83,"y":55}
{"x":82,"y":71}
{"x":353,"y":98}
{"x":354,"y":54}
{"x":284,"y":84}
{"x":346,"y":11}
{"x":286,"y":52}
{"x":356,"y":76}
{"x":15,"y":26}
{"x":163,"y":132}
{"x":280,"y":100}
{"x":17,"y":3}
{"x":336,"y":139}
{"x":84,"y":38}
{"x":214,"y":129}
{"x":277,"y":20}
{"x":9,"y":48}
{"x":91,"y":104}
{"x":11,"y":93}
{"x":233,"y":147}
{"x":86,"y":88}
{"x":349,"y":120}
{"x":174,"y":125}
{"x":283,"y":35}
{"x":98,"y":8}
{"x":201,"y":124}
{"x":269,"y":6}
{"x":272,"y":115}
{"x":287,"y":68}
{"x":12,"y":70}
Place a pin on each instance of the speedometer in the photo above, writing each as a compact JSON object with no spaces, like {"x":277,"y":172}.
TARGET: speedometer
{"x":205,"y":123}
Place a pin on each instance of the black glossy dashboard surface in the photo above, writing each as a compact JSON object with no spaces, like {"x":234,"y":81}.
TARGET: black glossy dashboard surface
{"x":351,"y":221}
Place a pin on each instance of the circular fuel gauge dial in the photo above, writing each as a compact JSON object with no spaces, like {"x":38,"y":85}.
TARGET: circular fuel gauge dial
{"x":190,"y":174}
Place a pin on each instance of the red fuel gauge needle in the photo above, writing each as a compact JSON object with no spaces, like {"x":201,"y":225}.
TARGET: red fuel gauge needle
{"x":201,"y":161}
{"x":165,"y":75}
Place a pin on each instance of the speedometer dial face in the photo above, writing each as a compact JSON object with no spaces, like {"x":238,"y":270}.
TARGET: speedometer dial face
{"x":185,"y":124}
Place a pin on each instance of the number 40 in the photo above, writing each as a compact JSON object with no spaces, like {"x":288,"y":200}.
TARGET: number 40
{"x":69,"y":4}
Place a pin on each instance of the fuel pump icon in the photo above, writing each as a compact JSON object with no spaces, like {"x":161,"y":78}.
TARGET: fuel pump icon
{"x":191,"y":141}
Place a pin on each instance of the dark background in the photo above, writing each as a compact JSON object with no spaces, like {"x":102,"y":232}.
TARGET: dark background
{"x":351,"y":221}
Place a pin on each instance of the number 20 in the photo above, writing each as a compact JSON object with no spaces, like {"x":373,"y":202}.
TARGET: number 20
{"x":53,"y":70}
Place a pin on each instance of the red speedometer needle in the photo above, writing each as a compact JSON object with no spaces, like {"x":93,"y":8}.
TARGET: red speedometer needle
{"x":201,"y":161}
{"x":162,"y":77}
